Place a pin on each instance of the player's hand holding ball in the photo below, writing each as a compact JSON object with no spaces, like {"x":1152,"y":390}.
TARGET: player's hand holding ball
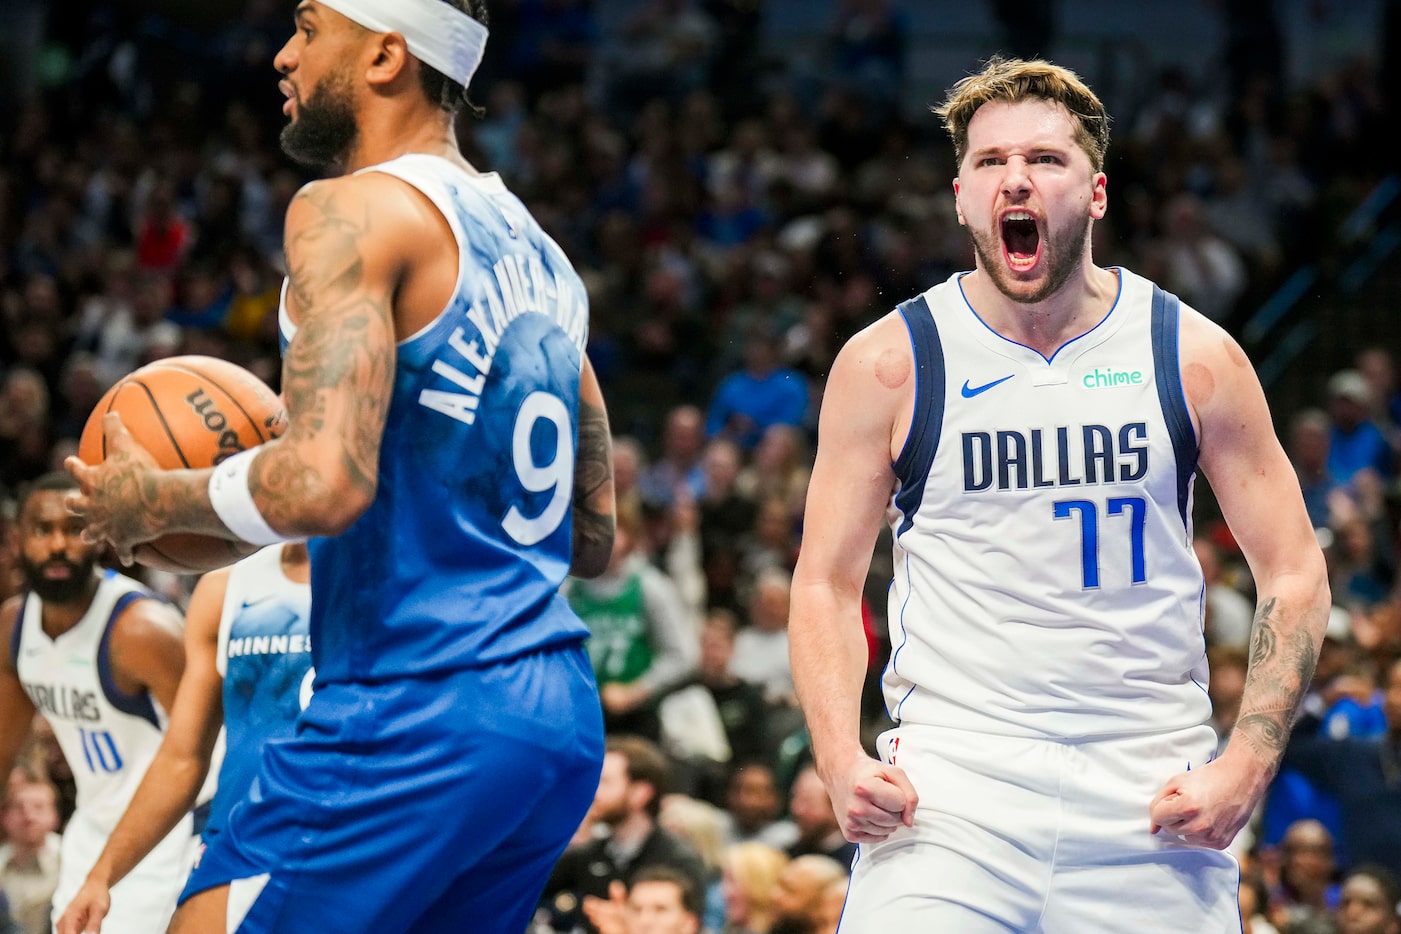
{"x":186,"y":412}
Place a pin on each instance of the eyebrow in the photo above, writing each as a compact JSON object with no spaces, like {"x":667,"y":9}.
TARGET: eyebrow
{"x":305,"y":8}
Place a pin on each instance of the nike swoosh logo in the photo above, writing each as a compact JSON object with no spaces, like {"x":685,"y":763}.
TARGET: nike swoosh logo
{"x":971,"y":391}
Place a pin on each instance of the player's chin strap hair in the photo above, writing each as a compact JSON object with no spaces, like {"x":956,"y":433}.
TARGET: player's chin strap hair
{"x":233,"y":501}
{"x":437,"y":33}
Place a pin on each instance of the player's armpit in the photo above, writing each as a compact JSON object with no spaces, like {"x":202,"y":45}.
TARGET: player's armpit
{"x":594,"y":506}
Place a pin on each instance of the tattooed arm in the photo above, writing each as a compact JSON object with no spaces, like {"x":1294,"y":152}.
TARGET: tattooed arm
{"x":1258,"y":492}
{"x":593,"y":481}
{"x":345,"y":262}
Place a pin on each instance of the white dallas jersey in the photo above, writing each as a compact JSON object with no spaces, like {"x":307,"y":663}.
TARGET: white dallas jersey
{"x":108,"y":736}
{"x":1045,"y":583}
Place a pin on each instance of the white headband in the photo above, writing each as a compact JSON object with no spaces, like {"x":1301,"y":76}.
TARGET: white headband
{"x":437,"y":33}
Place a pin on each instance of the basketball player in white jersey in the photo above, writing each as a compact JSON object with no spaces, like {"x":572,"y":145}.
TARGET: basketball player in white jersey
{"x":1031,"y":429}
{"x":247,"y":669}
{"x":99,"y":658}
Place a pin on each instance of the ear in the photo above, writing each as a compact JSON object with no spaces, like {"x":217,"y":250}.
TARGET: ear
{"x":1099,"y":196}
{"x":390,"y":59}
{"x":641,"y":795}
{"x":957,"y":203}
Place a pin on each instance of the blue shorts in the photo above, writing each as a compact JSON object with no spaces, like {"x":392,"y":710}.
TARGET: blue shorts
{"x":426,"y":804}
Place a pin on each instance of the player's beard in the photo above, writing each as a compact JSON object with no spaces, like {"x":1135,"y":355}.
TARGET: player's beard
{"x":58,"y":591}
{"x":1061,"y":256}
{"x":324,"y":127}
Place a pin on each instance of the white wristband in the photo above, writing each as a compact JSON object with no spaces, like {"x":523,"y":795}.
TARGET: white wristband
{"x":232,"y":500}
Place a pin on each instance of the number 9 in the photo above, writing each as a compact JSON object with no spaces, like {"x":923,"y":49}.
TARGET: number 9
{"x":557,"y":474}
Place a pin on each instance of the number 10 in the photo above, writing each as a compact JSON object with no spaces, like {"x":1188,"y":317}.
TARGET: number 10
{"x":1089,"y":533}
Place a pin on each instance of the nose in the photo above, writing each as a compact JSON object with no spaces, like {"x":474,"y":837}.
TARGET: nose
{"x":285,"y":61}
{"x":1015,"y":180}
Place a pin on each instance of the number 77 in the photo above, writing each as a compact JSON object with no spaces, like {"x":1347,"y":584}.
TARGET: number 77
{"x":1089,"y":533}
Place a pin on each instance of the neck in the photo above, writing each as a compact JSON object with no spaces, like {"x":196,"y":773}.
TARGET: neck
{"x":386,"y":133}
{"x":1076,"y":307}
{"x":633,"y":829}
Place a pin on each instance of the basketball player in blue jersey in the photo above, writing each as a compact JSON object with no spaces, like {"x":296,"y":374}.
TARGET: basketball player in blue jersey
{"x":1031,"y":429}
{"x":447,"y":456}
{"x":248,"y":670}
{"x":99,"y":658}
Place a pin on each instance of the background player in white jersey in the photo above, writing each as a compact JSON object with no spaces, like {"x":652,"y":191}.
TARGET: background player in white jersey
{"x":93,"y":653}
{"x":447,"y":456}
{"x":1032,"y":429}
{"x":248,"y":669}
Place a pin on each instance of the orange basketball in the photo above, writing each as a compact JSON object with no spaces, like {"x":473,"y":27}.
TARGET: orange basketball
{"x":192,"y":412}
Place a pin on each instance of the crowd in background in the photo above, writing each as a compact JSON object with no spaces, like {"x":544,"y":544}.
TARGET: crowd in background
{"x":735,"y":220}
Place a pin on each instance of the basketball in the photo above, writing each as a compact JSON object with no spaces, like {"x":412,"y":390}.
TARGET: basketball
{"x":193,"y":412}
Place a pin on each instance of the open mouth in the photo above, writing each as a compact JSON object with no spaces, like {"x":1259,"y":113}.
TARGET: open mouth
{"x":1021,"y":240}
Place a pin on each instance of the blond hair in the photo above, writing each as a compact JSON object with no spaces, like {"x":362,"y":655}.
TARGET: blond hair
{"x":755,"y":868}
{"x":1013,"y":80}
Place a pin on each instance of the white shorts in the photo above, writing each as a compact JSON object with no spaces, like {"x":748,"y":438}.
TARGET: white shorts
{"x":1032,"y":835}
{"x":144,"y":901}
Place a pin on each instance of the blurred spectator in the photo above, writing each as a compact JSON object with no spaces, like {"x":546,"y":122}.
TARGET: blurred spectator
{"x":659,"y":901}
{"x":1198,"y":265}
{"x":761,"y":394}
{"x":679,"y":465}
{"x":1370,"y":902}
{"x":29,"y":856}
{"x":1228,"y":665}
{"x":1363,"y":774}
{"x":704,"y":826}
{"x":1378,"y":367}
{"x":1309,"y":433}
{"x":781,"y":469}
{"x":750,"y":880}
{"x":827,"y":917}
{"x":739,"y":704}
{"x":640,"y":636}
{"x":1355,"y":443}
{"x":1229,"y":615}
{"x":799,"y":893}
{"x":1254,"y":899}
{"x":726,"y":515}
{"x":761,"y":648}
{"x":818,"y":830}
{"x":635,"y":777}
{"x":754,"y":804}
{"x":1307,"y":886}
{"x":772,"y":544}
{"x":24,"y":427}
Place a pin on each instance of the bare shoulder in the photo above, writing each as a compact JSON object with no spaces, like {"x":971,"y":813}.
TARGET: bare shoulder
{"x":1214,"y":366}
{"x":144,"y":622}
{"x":879,"y":356}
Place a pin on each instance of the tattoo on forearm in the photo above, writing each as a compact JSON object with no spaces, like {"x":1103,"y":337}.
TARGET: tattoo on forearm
{"x":343,"y":355}
{"x":1282,"y":660}
{"x":593,"y":480}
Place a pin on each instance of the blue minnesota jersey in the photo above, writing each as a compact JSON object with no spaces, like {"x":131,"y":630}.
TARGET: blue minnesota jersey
{"x":265,"y":658}
{"x":459,"y":560}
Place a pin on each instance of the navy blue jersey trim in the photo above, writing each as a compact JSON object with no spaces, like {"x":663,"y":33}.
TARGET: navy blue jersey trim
{"x":15,"y":632}
{"x":1167,"y":314}
{"x":136,"y":705}
{"x":916,"y":458}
